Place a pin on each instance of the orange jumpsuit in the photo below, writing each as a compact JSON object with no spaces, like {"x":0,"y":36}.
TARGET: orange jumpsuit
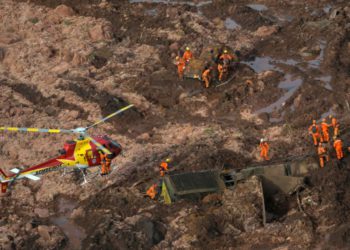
{"x":315,"y":131}
{"x":322,"y":154}
{"x":226,"y":57}
{"x":105,"y":164}
{"x":187,"y":56}
{"x":180,"y":67}
{"x":338,"y":146}
{"x":206,"y":77}
{"x":163,"y":168}
{"x":264,"y":146}
{"x":152,"y":191}
{"x":4,"y":187}
{"x":325,"y":132}
{"x":336,"y":130}
{"x":335,"y":126}
{"x":222,"y":71}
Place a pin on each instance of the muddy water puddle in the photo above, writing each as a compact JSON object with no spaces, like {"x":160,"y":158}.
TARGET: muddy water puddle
{"x":326,"y":80}
{"x":258,"y":7}
{"x":316,"y":63}
{"x":231,"y":24}
{"x":151,"y":12}
{"x":74,"y":233}
{"x":327,"y":8}
{"x":260,"y":64}
{"x":291,"y":85}
{"x":171,"y":2}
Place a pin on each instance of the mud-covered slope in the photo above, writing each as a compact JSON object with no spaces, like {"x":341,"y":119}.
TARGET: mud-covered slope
{"x":68,"y":65}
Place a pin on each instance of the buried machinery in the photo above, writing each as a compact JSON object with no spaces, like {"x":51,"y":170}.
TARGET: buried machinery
{"x":275,"y":179}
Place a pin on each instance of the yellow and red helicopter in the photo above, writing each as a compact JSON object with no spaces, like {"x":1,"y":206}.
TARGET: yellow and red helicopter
{"x":81,"y":153}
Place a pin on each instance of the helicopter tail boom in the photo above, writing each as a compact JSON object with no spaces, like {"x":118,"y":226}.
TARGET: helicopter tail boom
{"x":3,"y":182}
{"x":3,"y":176}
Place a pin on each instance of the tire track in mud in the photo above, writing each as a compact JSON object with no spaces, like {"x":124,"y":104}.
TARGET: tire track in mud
{"x":52,"y":105}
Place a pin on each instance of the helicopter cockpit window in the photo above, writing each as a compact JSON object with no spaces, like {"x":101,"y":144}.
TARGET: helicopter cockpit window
{"x":112,"y":144}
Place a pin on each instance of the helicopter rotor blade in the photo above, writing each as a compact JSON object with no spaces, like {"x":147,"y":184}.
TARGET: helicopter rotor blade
{"x":40,"y":130}
{"x":99,"y":146}
{"x":110,"y":116}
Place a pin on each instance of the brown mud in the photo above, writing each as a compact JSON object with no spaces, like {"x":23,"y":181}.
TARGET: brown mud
{"x":296,"y":53}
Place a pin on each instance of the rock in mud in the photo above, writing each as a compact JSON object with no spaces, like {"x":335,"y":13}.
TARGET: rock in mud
{"x":42,"y":212}
{"x":64,"y":11}
{"x":100,"y":32}
{"x":50,"y":237}
{"x":265,"y":31}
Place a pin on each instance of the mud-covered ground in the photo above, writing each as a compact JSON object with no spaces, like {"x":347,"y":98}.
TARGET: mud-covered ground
{"x":66,"y":66}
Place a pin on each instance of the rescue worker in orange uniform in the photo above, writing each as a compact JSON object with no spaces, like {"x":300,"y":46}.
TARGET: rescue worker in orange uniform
{"x":226,"y":56}
{"x":152,"y":191}
{"x":206,"y":77}
{"x":335,"y":126}
{"x":322,"y":154}
{"x":164,"y":167}
{"x":324,"y":128}
{"x":264,"y":146}
{"x":180,"y":63}
{"x":314,"y":130}
{"x":187,"y":56}
{"x":223,"y":69}
{"x":106,"y":160}
{"x":338,"y":146}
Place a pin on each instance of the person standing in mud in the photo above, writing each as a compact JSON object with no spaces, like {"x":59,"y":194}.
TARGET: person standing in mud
{"x":322,"y":154}
{"x":314,"y":130}
{"x":206,"y":77}
{"x":164,"y":167}
{"x":187,"y":56}
{"x":335,"y":126}
{"x":325,"y":132}
{"x":227,"y":56}
{"x":338,"y":147}
{"x":180,"y":63}
{"x":264,"y":149}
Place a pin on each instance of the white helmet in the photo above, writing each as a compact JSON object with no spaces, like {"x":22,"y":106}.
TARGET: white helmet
{"x":262,"y":140}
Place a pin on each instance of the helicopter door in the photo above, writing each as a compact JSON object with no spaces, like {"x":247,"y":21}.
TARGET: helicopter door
{"x":92,"y":157}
